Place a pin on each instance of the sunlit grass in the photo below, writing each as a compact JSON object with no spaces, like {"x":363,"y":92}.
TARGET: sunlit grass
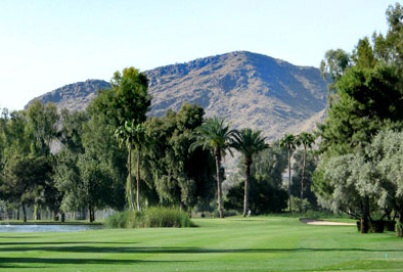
{"x":231,"y":244}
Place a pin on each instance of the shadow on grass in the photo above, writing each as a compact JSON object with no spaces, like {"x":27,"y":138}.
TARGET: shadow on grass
{"x":75,"y":247}
{"x":20,"y":263}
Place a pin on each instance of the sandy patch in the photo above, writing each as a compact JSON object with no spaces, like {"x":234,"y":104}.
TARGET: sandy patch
{"x":324,"y":223}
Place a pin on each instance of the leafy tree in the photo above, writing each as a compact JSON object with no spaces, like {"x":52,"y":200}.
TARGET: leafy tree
{"x":131,"y":100}
{"x":127,"y":102}
{"x":180,"y":177}
{"x":333,"y":65}
{"x":368,"y":96}
{"x":15,"y":142}
{"x":96,"y":182}
{"x":42,"y":120}
{"x":72,"y":131}
{"x":368,"y":92}
{"x":248,"y":143}
{"x":216,"y":136}
{"x":67,"y":173}
{"x":270,"y":164}
{"x":386,"y":150}
{"x":25,"y":178}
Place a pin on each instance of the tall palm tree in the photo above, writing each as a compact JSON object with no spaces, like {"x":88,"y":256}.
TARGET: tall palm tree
{"x":307,"y":140}
{"x":216,"y":136}
{"x":249,"y":143}
{"x":289,"y":142}
{"x":135,"y":138}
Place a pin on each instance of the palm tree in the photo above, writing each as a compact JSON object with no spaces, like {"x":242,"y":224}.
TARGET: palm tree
{"x":289,"y":142}
{"x":307,"y":140}
{"x":216,"y":136}
{"x":249,"y":143}
{"x":135,"y":138}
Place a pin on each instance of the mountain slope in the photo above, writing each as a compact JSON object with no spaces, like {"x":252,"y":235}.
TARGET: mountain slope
{"x":250,"y":90}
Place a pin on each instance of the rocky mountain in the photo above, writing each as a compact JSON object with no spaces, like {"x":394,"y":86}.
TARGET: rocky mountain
{"x":250,"y":90}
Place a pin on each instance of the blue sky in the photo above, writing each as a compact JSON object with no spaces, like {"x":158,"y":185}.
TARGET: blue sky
{"x":46,"y":44}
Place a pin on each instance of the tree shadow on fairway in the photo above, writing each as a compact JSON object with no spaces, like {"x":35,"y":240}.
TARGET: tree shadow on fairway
{"x":60,"y":243}
{"x":15,"y":262}
{"x":95,"y":247}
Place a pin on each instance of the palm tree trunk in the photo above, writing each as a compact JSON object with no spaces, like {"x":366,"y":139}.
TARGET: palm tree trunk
{"x":138,"y":181}
{"x":289,"y":179}
{"x":246,"y":189}
{"x":129,"y":181}
{"x":303,"y":174}
{"x":219,"y":188}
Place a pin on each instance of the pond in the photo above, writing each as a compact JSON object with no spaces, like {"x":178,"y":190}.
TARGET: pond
{"x":48,"y":228}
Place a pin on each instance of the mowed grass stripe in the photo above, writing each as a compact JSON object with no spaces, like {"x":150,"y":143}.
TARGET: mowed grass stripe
{"x":231,"y":244}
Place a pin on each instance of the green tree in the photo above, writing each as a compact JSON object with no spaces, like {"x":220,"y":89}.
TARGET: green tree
{"x":216,"y":136}
{"x":95,"y":182}
{"x":131,"y":100}
{"x":179,"y":176}
{"x":387,"y":152}
{"x":369,"y":96}
{"x":42,"y":120}
{"x":25,"y":178}
{"x":67,"y":172}
{"x":124,"y":105}
{"x":333,"y":65}
{"x":248,"y":143}
{"x":42,"y":125}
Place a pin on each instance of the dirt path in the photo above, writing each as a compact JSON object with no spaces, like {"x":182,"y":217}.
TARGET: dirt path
{"x":324,"y":223}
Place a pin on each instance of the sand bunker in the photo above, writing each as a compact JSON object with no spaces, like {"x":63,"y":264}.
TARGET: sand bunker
{"x":324,"y":223}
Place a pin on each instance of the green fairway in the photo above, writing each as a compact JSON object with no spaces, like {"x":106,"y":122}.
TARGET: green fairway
{"x":232,"y":244}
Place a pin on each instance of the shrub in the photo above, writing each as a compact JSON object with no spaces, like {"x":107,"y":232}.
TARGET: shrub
{"x":161,"y":217}
{"x":399,"y":229}
{"x":155,"y":217}
{"x":117,"y":220}
{"x":298,"y":205}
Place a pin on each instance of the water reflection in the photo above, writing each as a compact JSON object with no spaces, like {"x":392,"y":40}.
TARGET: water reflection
{"x":48,"y":228}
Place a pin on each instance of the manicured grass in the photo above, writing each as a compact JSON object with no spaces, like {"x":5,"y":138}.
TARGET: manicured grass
{"x":232,"y":244}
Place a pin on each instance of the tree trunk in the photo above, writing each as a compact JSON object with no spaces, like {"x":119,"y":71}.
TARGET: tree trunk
{"x":248,"y":163}
{"x":129,"y":181}
{"x":399,"y":224}
{"x":37,"y":211}
{"x":289,"y":180}
{"x":91,"y":212}
{"x":364,"y":227}
{"x":219,"y":188}
{"x":138,"y":181}
{"x":24,"y":212}
{"x":303,"y":174}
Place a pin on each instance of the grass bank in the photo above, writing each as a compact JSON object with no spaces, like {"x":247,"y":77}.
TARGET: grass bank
{"x":232,"y":244}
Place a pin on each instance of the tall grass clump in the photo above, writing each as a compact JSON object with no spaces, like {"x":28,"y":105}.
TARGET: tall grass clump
{"x":154,"y":217}
{"x":117,"y":220}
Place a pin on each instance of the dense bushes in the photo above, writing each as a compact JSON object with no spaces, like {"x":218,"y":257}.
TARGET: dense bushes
{"x":156,"y":217}
{"x":264,"y":198}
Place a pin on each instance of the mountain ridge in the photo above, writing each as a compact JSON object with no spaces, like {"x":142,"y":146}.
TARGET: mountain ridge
{"x":249,"y":89}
